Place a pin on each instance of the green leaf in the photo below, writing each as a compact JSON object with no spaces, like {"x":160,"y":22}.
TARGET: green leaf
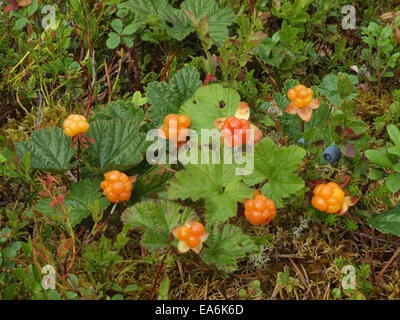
{"x":393,"y":182}
{"x":332,"y":88}
{"x":20,"y":24}
{"x":217,"y":184}
{"x":11,"y":251}
{"x":219,"y":19}
{"x":50,"y":150}
{"x":379,"y":158}
{"x":147,"y":7}
{"x":138,"y":100}
{"x":80,"y":202}
{"x":118,"y":145}
{"x":32,"y":8}
{"x":276,"y":166}
{"x":225,"y":246}
{"x":117,"y":25}
{"x":157,"y":219}
{"x":209,"y":103}
{"x":388,"y":222}
{"x":168,"y":98}
{"x":132,"y":28}
{"x":394,"y":134}
{"x":82,"y":199}
{"x":113,"y":40}
{"x":122,"y":110}
{"x":175,"y":22}
{"x":163,"y":291}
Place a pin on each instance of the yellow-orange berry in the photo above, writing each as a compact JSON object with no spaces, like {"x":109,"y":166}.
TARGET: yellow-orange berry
{"x":300,"y":95}
{"x":75,"y":124}
{"x":116,"y":186}
{"x":191,"y":233}
{"x":175,"y":127}
{"x":328,"y":197}
{"x":260,"y":210}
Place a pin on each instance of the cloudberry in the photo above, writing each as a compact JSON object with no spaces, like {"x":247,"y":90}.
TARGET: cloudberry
{"x":234,"y":131}
{"x":260,"y":210}
{"x":192,"y":234}
{"x":75,"y":124}
{"x":328,"y":197}
{"x":117,"y":186}
{"x":300,"y":95}
{"x":176,"y":127}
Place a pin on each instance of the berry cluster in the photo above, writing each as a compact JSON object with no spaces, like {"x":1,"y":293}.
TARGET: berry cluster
{"x":191,"y":233}
{"x":176,"y":127}
{"x":300,"y":95}
{"x":328,"y":197}
{"x":75,"y":124}
{"x":234,"y":131}
{"x":117,"y":186}
{"x":260,"y":210}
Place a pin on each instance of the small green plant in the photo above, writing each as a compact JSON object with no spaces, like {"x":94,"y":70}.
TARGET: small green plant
{"x":388,"y":160}
{"x":251,"y":292}
{"x":122,"y":34}
{"x":382,"y":53}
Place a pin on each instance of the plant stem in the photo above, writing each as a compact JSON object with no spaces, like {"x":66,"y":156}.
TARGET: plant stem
{"x":113,"y":208}
{"x":301,"y":125}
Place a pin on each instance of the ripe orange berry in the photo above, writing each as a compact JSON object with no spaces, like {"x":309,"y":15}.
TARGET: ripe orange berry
{"x":176,"y":127}
{"x":234,"y":131}
{"x":192,"y":233}
{"x":300,"y":95}
{"x":184,"y":233}
{"x":171,"y":120}
{"x":328,"y":198}
{"x":197,"y":228}
{"x":75,"y":124}
{"x":116,"y":186}
{"x":193,"y":241}
{"x":184,"y":121}
{"x":259,"y":210}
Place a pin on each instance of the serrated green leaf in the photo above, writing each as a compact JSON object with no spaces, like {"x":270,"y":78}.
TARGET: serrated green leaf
{"x":50,"y":150}
{"x":79,"y":202}
{"x":122,"y":110}
{"x":218,"y":18}
{"x":276,"y":166}
{"x":217,"y":184}
{"x":388,"y":222}
{"x":332,"y":88}
{"x":168,"y":98}
{"x":209,"y":103}
{"x":157,"y":219}
{"x":146,"y":7}
{"x":82,"y":197}
{"x":225,"y":246}
{"x":118,"y":145}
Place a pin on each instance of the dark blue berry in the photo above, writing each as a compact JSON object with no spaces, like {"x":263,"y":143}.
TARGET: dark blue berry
{"x":332,"y":154}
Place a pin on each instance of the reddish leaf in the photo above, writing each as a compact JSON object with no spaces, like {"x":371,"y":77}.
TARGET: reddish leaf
{"x":350,"y":151}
